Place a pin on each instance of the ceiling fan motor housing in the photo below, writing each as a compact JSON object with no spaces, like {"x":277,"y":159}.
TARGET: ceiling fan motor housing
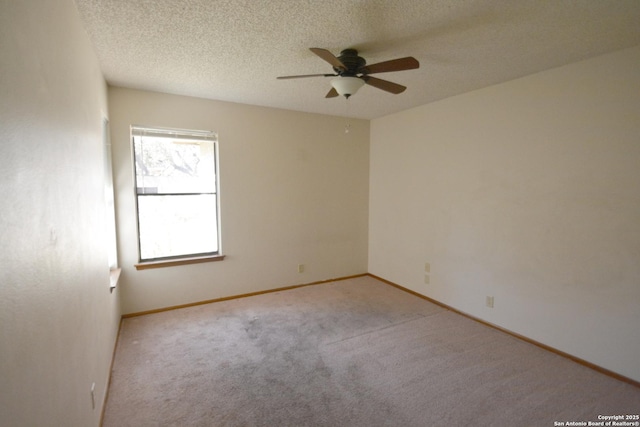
{"x":351,"y":60}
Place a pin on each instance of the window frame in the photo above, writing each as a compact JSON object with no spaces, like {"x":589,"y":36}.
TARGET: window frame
{"x":181,"y":134}
{"x":110,"y":209}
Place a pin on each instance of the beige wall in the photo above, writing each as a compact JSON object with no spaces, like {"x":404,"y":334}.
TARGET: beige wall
{"x":528,"y":191}
{"x":58,"y":321}
{"x":294,"y":190}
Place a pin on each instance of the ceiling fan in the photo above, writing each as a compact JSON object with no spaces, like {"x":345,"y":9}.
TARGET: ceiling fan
{"x":352,"y":71}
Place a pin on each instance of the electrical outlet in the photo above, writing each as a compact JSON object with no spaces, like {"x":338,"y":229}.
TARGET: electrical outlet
{"x":489,"y":302}
{"x":300,"y":268}
{"x":427,"y":267}
{"x":426,"y":279}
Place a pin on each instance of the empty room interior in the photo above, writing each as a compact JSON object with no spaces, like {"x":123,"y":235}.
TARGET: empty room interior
{"x":412,"y":213}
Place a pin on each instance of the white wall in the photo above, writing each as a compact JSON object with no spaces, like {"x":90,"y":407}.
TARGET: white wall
{"x":528,"y":191}
{"x":58,"y":321}
{"x":294,"y":190}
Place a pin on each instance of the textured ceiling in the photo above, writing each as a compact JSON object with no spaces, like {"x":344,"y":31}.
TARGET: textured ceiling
{"x":233,"y":50}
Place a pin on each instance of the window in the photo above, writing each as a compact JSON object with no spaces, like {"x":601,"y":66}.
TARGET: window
{"x":176,"y":193}
{"x":111,"y":238}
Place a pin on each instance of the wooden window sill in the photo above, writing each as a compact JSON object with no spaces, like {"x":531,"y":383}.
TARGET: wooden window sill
{"x":181,"y":261}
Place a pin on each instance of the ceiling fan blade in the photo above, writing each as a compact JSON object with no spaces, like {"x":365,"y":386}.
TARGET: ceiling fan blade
{"x":332,"y":93}
{"x":329,"y":57}
{"x":401,"y":64}
{"x":384,"y":85}
{"x":306,"y":75}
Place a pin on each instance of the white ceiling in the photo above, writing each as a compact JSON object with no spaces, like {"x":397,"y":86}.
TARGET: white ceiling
{"x":233,"y":50}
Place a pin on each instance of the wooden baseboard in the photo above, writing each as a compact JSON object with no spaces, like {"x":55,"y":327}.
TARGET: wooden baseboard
{"x":571,"y":357}
{"x":445,"y":306}
{"x":251,"y":294}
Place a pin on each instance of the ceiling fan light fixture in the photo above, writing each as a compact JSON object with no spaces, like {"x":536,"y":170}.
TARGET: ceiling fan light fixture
{"x":347,"y":86}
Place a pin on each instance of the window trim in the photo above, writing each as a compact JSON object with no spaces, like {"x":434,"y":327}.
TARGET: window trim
{"x":183,"y":134}
{"x":110,"y":209}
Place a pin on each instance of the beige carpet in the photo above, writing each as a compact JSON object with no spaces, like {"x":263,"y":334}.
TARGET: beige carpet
{"x":356,"y":352}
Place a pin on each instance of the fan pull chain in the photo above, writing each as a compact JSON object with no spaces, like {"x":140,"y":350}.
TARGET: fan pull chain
{"x":347,"y":126}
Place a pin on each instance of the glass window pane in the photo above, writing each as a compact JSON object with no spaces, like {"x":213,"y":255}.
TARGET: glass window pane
{"x":174,"y":166}
{"x":177,"y":225}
